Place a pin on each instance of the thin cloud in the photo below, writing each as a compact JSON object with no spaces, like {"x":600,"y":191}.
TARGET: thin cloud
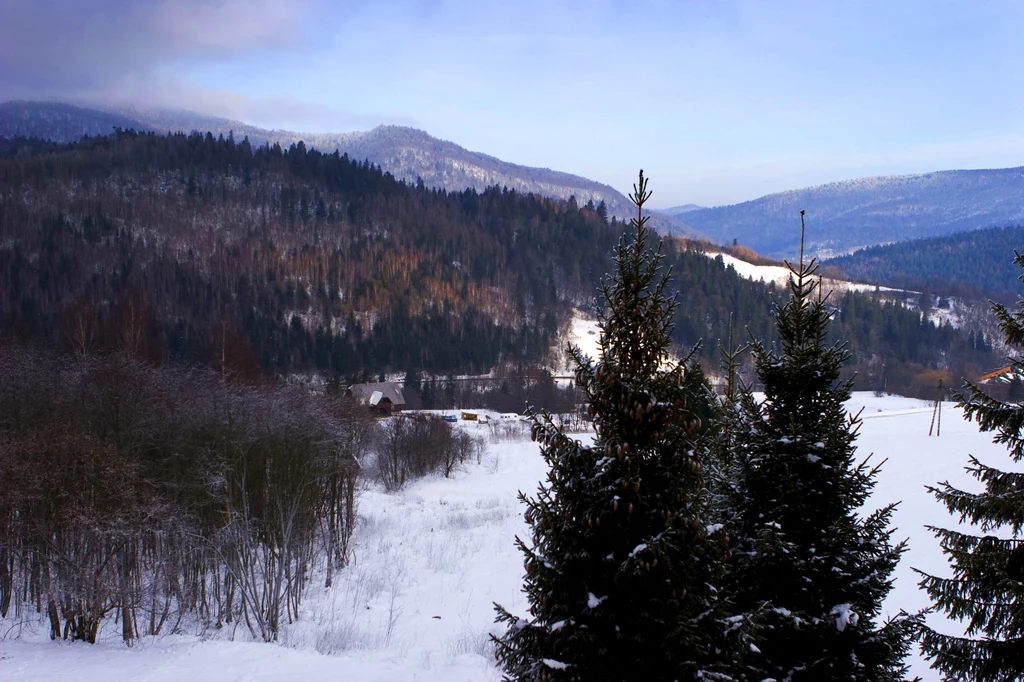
{"x":57,"y":47}
{"x":279,"y":111}
{"x":121,"y":54}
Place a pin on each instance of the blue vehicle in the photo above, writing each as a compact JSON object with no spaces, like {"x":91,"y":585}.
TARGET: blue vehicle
{"x":451,"y":418}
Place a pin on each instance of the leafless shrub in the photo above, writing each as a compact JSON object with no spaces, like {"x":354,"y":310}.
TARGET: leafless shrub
{"x":508,"y":430}
{"x":576,"y":421}
{"x":392,"y":449}
{"x":152,"y":494}
{"x":413,"y":446}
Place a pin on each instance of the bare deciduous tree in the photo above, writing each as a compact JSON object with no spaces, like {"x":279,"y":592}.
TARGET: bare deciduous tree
{"x":154,"y":494}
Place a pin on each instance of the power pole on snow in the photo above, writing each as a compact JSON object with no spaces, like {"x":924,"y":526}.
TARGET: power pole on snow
{"x":937,"y":413}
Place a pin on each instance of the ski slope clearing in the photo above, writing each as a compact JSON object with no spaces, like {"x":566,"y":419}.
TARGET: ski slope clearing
{"x":780,"y":275}
{"x":415,"y":603}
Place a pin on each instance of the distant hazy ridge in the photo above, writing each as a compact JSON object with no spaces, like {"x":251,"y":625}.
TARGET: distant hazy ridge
{"x":842,"y":216}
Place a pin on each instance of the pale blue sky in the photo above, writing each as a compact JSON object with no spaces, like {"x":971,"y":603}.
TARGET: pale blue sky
{"x":718,"y":101}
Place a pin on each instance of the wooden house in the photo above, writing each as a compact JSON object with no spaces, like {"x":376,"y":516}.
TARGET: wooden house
{"x":383,"y":398}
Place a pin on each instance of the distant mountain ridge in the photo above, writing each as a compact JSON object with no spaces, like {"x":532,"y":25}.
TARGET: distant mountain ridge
{"x":59,"y":122}
{"x":407,"y":153}
{"x":844,"y":216}
{"x":680,"y":210}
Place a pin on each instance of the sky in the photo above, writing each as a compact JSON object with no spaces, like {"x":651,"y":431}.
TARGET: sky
{"x":718,"y":101}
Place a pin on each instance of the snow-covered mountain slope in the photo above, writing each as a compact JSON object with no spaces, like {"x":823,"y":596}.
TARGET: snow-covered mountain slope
{"x":843,"y":216}
{"x":415,"y":603}
{"x":780,"y":275}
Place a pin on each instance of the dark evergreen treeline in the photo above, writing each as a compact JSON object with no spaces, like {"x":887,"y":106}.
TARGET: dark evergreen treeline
{"x":758,"y":561}
{"x":298,"y":256}
{"x":202,"y":249}
{"x":960,"y":264}
{"x":893,"y":348}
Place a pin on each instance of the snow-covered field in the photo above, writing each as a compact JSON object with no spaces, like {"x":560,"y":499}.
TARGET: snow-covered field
{"x":416,"y":602}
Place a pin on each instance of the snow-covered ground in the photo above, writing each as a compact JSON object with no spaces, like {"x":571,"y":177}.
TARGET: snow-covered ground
{"x":780,"y":275}
{"x":416,"y":602}
{"x":583,"y":332}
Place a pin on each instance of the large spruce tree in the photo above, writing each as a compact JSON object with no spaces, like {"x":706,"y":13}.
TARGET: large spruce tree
{"x":621,"y":565}
{"x":987,"y":586}
{"x":809,"y":568}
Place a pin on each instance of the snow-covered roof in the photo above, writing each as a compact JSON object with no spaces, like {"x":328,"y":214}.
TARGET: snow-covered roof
{"x":374,"y":393}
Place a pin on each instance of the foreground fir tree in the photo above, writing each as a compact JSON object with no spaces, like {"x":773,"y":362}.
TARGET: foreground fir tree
{"x":987,"y":586}
{"x":621,"y":563}
{"x":808,"y":567}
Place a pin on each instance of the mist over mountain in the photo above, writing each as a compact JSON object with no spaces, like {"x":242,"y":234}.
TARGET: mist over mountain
{"x":844,"y":216}
{"x":60,"y":122}
{"x":407,"y":153}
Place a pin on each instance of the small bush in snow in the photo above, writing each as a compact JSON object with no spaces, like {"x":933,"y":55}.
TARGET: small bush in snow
{"x":413,"y":446}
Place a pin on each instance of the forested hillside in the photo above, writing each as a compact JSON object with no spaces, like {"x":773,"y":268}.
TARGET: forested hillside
{"x":963,"y":264}
{"x":406,"y":153}
{"x":201,"y":249}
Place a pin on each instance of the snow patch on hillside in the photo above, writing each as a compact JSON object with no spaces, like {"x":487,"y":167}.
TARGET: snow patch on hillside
{"x":779,"y":274}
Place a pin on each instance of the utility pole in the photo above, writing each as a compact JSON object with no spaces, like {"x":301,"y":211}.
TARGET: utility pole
{"x":937,"y":413}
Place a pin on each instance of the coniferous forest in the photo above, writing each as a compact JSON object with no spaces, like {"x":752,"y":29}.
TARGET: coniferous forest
{"x":959,"y":264}
{"x":275,"y":261}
